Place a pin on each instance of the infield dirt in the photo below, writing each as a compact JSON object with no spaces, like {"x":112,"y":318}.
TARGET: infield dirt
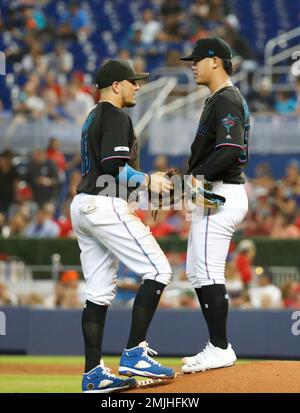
{"x":252,"y":377}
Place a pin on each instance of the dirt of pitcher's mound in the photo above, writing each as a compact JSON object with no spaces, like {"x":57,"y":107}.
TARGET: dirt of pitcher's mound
{"x":252,"y":377}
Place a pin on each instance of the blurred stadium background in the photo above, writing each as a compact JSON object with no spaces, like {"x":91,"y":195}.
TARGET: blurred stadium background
{"x":52,"y":50}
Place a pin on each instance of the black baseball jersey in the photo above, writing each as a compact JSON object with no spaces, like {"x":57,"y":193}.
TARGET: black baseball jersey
{"x":107,"y":134}
{"x":224,"y":122}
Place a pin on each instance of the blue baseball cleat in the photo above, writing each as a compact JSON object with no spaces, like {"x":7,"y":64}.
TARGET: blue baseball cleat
{"x":136,"y":362}
{"x":100,"y":380}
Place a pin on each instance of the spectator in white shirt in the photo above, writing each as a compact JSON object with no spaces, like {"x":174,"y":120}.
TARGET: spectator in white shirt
{"x":42,"y":227}
{"x":60,"y":60}
{"x":265,"y":295}
{"x":35,"y":60}
{"x":148,"y":26}
{"x":78,"y":104}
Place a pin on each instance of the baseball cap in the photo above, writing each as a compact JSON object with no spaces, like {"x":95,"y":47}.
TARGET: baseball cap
{"x":116,"y":71}
{"x":69,"y":275}
{"x":245,"y":245}
{"x":210,"y":47}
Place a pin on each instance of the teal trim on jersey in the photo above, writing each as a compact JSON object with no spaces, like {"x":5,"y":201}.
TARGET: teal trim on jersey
{"x":246,"y":111}
{"x":245,"y":155}
{"x":85,"y":156}
{"x":130,"y":174}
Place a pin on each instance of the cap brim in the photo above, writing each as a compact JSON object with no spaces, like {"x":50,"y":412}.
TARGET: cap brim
{"x":187,"y":58}
{"x":139,"y":76}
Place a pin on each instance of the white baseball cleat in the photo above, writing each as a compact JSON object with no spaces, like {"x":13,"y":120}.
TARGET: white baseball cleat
{"x":210,"y":358}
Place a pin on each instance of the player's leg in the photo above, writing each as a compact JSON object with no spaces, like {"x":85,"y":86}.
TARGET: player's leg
{"x":140,"y":252}
{"x":99,"y":268}
{"x":211,"y":238}
{"x":133,"y":244}
{"x":211,"y":294}
{"x":195,"y":258}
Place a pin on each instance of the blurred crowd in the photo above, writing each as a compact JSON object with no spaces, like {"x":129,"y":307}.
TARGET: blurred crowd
{"x":248,"y":286}
{"x":274,"y":204}
{"x":52,"y":79}
{"x":44,"y":82}
{"x":36,"y":193}
{"x":66,"y":292}
{"x":264,"y":100}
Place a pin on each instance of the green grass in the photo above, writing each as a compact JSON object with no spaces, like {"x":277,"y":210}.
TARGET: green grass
{"x":79,"y":360}
{"x":39,"y":384}
{"x":61,"y":360}
{"x":11,"y":383}
{"x":71,"y":360}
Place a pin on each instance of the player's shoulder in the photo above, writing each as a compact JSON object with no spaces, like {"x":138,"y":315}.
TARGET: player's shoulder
{"x":112,"y":115}
{"x":230,"y":95}
{"x":111,"y":111}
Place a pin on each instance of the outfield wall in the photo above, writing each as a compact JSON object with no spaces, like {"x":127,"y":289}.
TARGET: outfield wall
{"x":254,"y":333}
{"x":34,"y":251}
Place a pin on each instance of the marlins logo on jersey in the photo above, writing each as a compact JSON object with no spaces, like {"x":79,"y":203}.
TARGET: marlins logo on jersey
{"x":228,"y":122}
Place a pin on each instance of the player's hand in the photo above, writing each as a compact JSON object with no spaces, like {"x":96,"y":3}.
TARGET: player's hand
{"x":159,"y":183}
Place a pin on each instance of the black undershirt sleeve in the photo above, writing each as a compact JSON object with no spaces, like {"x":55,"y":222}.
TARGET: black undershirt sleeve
{"x":217,"y":162}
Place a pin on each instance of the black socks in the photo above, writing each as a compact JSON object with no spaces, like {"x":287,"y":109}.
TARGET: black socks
{"x":144,"y":307}
{"x":214,"y":303}
{"x":93,"y":320}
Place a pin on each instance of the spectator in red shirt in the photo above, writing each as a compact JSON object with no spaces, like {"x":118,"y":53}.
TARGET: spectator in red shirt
{"x":78,"y":81}
{"x":285,"y":227}
{"x":55,"y":155}
{"x":64,"y":222}
{"x":160,"y":227}
{"x":246,"y":252}
{"x":291,"y":294}
{"x":52,"y":84}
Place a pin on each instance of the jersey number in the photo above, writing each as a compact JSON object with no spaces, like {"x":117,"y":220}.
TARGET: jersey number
{"x":85,"y":156}
{"x":244,"y":155}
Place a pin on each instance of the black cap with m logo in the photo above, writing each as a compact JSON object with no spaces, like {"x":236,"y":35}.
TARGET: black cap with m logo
{"x":116,"y":71}
{"x":210,"y":47}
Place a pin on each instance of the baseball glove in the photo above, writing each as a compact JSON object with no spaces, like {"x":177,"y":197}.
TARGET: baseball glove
{"x":202,"y":197}
{"x":206,"y":199}
{"x":158,"y":201}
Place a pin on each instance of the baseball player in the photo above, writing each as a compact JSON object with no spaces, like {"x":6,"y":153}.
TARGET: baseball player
{"x":219,"y":153}
{"x":108,"y":230}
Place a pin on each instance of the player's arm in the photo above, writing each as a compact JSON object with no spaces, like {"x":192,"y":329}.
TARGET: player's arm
{"x":230,"y":145}
{"x":115,"y":155}
{"x":114,"y":138}
{"x":217,"y":162}
{"x":126,"y":175}
{"x":123,"y":173}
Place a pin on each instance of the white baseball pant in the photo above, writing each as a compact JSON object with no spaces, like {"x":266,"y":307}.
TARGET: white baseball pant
{"x":108,"y":231}
{"x":210,"y":235}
